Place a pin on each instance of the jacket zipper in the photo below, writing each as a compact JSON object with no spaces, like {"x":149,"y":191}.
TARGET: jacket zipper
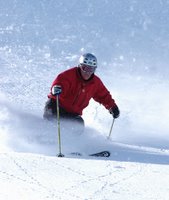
{"x":76,"y":97}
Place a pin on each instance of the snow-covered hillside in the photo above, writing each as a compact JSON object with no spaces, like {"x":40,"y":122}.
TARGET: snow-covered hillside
{"x":32,"y":176}
{"x":39,"y":39}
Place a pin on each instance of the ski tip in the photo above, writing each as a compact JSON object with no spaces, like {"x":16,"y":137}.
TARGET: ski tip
{"x":101,"y":154}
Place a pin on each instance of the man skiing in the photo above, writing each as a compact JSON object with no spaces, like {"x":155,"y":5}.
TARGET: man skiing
{"x":75,"y":87}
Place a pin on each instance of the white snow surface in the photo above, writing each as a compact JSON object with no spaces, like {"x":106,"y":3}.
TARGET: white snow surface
{"x":39,"y":39}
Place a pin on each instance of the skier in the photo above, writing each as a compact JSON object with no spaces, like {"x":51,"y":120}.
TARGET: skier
{"x":75,"y":87}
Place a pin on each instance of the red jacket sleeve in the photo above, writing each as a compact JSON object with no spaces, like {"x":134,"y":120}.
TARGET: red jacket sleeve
{"x":63,"y":82}
{"x":103,"y":96}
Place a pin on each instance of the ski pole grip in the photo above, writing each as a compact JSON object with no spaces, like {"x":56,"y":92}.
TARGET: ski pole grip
{"x":56,"y":90}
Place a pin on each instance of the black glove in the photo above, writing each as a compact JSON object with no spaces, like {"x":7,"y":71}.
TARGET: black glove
{"x":115,"y":111}
{"x":56,"y":90}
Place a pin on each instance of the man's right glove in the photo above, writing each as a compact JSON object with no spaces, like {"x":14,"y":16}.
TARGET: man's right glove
{"x":115,"y":111}
{"x":56,"y":90}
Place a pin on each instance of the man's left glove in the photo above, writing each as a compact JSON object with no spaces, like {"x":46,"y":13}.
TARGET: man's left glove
{"x":115,"y":111}
{"x":56,"y":90}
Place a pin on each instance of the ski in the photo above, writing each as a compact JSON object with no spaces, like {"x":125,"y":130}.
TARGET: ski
{"x":99,"y":154}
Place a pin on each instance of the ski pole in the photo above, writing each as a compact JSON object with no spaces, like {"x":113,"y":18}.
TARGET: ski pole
{"x":111,"y":128}
{"x":58,"y":125}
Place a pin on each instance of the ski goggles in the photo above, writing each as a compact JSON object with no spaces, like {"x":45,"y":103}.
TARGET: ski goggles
{"x":87,"y":69}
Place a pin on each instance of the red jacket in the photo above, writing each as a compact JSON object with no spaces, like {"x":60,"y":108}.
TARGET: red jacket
{"x":76,"y":92}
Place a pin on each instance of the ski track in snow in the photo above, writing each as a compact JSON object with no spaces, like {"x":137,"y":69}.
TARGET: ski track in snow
{"x":76,"y":181}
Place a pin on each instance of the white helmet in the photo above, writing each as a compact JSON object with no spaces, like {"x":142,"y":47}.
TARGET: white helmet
{"x":88,"y":59}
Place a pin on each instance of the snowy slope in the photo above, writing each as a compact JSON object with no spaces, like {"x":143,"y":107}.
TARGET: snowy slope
{"x":39,"y":39}
{"x":30,"y":176}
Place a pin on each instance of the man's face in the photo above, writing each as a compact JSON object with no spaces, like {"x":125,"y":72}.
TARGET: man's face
{"x":87,"y":71}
